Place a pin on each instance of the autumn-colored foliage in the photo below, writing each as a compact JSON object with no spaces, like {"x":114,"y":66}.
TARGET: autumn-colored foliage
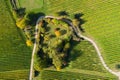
{"x":21,"y":23}
{"x":29,"y":43}
{"x":57,"y":33}
{"x":58,"y":68}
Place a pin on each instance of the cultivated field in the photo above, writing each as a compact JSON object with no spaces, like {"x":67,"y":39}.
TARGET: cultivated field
{"x":55,"y":75}
{"x":101,"y":23}
{"x":14,"y":54}
{"x":31,"y":4}
{"x":83,"y":56}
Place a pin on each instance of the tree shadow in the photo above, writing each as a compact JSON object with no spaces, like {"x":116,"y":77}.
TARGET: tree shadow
{"x":45,"y":24}
{"x":63,"y":13}
{"x":36,"y":73}
{"x":118,"y":66}
{"x":74,"y":53}
{"x":21,"y":11}
{"x":78,"y":17}
{"x":33,"y":17}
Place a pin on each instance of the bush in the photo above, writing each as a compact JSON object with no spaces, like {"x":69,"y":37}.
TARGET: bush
{"x":57,"y":33}
{"x":39,"y":63}
{"x":57,"y":62}
{"x":29,"y":43}
{"x":55,"y":21}
{"x":21,"y":23}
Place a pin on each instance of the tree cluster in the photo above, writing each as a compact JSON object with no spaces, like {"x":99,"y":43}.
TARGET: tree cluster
{"x":53,"y":46}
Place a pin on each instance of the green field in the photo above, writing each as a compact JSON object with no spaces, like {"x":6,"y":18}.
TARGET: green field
{"x":15,"y":75}
{"x":31,"y":4}
{"x":101,"y":23}
{"x":14,"y":54}
{"x":56,"y":75}
{"x":83,"y":56}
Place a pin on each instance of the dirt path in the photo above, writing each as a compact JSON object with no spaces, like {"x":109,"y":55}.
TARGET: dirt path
{"x":34,"y":48}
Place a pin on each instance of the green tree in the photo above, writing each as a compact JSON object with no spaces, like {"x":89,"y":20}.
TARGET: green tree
{"x":57,"y":62}
{"x":39,"y":63}
{"x":55,"y":21}
{"x":66,"y":47}
{"x":76,"y":22}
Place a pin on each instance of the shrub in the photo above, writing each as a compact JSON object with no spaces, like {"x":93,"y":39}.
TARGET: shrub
{"x":57,"y":33}
{"x":29,"y":43}
{"x":39,"y":63}
{"x":21,"y":23}
{"x":57,"y":62}
{"x":55,"y":21}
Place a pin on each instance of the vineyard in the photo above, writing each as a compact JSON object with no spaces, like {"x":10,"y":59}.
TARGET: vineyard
{"x":14,"y":54}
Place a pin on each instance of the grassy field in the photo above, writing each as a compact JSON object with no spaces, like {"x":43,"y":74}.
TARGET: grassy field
{"x":15,"y":75}
{"x":56,"y":75}
{"x":83,"y":56}
{"x":31,"y":4}
{"x":14,"y":54}
{"x":102,"y":23}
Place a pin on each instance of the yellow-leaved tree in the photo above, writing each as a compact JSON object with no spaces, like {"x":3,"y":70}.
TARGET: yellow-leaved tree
{"x":57,"y":33}
{"x":21,"y":23}
{"x":29,"y":43}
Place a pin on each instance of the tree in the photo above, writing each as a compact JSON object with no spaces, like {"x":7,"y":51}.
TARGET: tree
{"x":29,"y":43}
{"x":39,"y":63}
{"x":22,"y":23}
{"x":57,"y":62}
{"x":67,"y":45}
{"x":42,"y":29}
{"x":76,"y":22}
{"x":57,"y":32}
{"x":49,"y":20}
{"x":55,"y":21}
